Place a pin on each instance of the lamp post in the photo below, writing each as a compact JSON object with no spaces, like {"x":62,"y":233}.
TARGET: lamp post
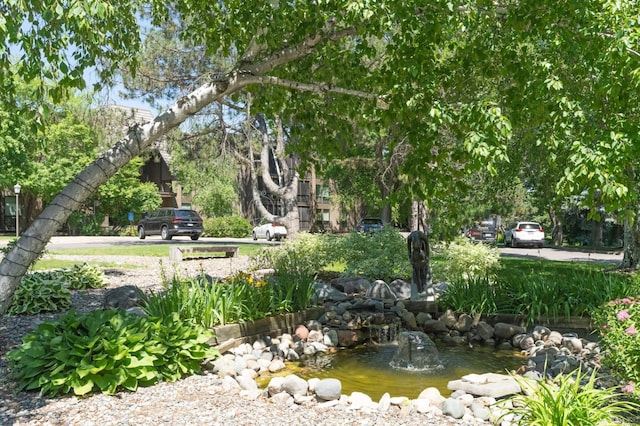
{"x":16,"y":189}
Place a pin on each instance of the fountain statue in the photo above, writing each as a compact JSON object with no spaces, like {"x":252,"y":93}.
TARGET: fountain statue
{"x":416,"y":351}
{"x":418,"y":247}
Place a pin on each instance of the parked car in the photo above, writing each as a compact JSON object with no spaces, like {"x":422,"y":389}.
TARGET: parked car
{"x":269,"y":230}
{"x":524,"y":234}
{"x":370,"y":224}
{"x":170,"y":222}
{"x":485,"y":231}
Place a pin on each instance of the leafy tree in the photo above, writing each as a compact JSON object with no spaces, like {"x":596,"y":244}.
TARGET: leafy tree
{"x":455,"y":80}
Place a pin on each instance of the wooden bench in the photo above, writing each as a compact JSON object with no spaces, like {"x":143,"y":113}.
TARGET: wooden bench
{"x":178,"y":253}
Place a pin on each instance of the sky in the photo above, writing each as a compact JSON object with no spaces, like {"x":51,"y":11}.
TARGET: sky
{"x":111,"y":95}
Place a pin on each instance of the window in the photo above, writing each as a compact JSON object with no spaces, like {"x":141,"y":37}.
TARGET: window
{"x":322,"y":215}
{"x":322,"y":194}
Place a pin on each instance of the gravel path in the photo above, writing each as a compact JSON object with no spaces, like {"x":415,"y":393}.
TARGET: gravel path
{"x":196,"y":400}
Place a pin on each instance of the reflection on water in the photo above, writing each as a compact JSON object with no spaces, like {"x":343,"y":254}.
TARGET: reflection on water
{"x":366,"y":369}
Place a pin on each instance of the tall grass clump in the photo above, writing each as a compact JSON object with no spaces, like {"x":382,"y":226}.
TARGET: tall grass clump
{"x":569,"y":400}
{"x":236,"y":298}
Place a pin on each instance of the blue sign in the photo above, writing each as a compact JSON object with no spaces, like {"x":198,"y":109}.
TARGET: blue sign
{"x":130,"y":216}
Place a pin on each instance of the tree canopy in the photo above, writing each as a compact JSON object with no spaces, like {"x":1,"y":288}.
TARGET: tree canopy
{"x":455,"y":80}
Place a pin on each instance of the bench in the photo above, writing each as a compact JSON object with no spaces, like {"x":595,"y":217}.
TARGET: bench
{"x":177,"y":253}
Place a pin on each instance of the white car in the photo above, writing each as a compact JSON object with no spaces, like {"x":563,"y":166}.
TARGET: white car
{"x":524,"y":234}
{"x":269,"y":230}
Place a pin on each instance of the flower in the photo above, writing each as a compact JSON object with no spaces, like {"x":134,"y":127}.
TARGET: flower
{"x":622,"y":315}
{"x":631,"y":331}
{"x":629,"y":388}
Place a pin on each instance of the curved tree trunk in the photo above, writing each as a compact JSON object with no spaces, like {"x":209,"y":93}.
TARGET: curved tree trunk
{"x":34,"y":239}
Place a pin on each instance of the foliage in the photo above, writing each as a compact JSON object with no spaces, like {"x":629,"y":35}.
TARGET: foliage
{"x":38,"y":293}
{"x":80,"y":277}
{"x":618,"y":323}
{"x":227,"y":226}
{"x":239,"y":297}
{"x":539,"y":288}
{"x":570,"y":400}
{"x":108,"y":351}
{"x":382,"y":255}
{"x":478,"y":295}
{"x":304,"y":254}
{"x":468,"y":261}
{"x":99,"y":33}
{"x":48,"y":291}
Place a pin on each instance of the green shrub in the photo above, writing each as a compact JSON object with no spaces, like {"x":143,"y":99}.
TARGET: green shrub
{"x":48,"y":291}
{"x":381,"y":255}
{"x":468,"y":261}
{"x":304,"y":254}
{"x":227,"y":226}
{"x":80,"y":277}
{"x":107,"y":351}
{"x":619,"y":325}
{"x":39,"y":293}
{"x":570,"y":400}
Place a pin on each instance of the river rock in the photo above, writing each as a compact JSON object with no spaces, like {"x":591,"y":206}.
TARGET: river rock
{"x":328,"y":389}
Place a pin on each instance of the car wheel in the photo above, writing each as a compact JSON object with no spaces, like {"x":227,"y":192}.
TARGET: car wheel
{"x":255,"y":237}
{"x":268,"y":236}
{"x":195,"y":237}
{"x":164,"y":233}
{"x":141,"y":234}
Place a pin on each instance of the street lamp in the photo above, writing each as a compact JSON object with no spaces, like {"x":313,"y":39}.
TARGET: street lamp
{"x":16,"y":189}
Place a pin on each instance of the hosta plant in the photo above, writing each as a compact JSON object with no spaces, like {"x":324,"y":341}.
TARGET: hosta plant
{"x":78,"y":277}
{"x":40,"y":293}
{"x":48,"y":291}
{"x":106,"y":351}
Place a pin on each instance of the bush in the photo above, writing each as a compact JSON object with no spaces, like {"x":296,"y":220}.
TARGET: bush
{"x":380,"y":255}
{"x":303,"y":254}
{"x":227,"y":226}
{"x":106,"y":351}
{"x":38,"y":293}
{"x":470,"y":261}
{"x":48,"y":291}
{"x":619,"y":324}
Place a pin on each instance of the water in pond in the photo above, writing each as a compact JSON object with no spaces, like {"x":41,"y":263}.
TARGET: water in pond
{"x":366,"y":369}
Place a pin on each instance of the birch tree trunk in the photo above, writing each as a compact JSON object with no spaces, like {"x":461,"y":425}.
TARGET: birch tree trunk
{"x":140,"y":136}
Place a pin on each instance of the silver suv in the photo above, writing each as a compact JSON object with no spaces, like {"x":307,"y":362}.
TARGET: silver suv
{"x":169,"y":222}
{"x":524,"y":234}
